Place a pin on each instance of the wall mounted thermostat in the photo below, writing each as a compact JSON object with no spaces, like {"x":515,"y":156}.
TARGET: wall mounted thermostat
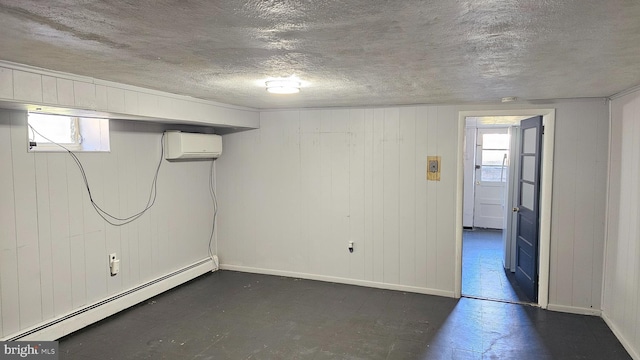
{"x":433,"y":168}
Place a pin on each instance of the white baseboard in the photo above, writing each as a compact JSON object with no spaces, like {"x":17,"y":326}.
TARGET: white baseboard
{"x":75,"y":320}
{"x":372,"y":284}
{"x":623,"y":340}
{"x":574,"y":310}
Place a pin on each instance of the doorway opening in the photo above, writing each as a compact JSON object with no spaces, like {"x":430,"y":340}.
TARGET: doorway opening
{"x":490,"y":160}
{"x":493,"y":260}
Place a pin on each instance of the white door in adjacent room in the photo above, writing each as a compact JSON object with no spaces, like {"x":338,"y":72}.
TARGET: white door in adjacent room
{"x":492,"y":151}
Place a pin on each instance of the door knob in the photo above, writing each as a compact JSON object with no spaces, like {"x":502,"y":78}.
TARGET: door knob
{"x":516,"y":209}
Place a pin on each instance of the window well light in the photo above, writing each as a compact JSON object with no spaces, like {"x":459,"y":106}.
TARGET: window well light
{"x":283,"y":86}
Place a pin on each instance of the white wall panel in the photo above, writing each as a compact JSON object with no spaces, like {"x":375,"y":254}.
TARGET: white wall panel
{"x":84,"y":95}
{"x":65,"y":92}
{"x":27,"y":86}
{"x":347,"y":174}
{"x":401,"y":210}
{"x":357,"y":139}
{"x":577,"y":230}
{"x":46,"y":216}
{"x":60,"y":239}
{"x":419,"y":178}
{"x":431,"y":200}
{"x":621,"y":298}
{"x":115,"y":99}
{"x":26,"y":217}
{"x":131,"y":102}
{"x":390,"y":206}
{"x":6,"y":83}
{"x":102,"y":98}
{"x":44,"y":235}
{"x":447,"y":146}
{"x":49,"y":90}
{"x":407,"y":197}
{"x":8,"y":248}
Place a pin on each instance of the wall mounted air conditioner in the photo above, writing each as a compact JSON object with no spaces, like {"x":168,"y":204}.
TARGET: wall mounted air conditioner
{"x":180,"y":145}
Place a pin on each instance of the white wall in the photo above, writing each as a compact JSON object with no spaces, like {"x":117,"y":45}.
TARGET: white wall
{"x":294,"y":192}
{"x":54,"y":247}
{"x":621,"y":300}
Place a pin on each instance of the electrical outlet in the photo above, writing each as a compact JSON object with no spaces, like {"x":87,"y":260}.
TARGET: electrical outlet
{"x":114,"y":264}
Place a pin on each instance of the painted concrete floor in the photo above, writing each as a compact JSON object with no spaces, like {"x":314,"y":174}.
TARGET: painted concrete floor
{"x":232,"y":315}
{"x":483,"y":273}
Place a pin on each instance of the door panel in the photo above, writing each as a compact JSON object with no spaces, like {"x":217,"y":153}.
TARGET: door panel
{"x":492,"y":144}
{"x":528,"y":207}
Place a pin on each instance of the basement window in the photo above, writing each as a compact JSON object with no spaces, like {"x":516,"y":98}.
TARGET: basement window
{"x":59,"y":133}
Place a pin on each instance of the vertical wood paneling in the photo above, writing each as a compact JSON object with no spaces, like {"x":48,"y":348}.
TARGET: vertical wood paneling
{"x":621,"y":298}
{"x":431,"y":221}
{"x":407,"y":197}
{"x":27,"y":86}
{"x":357,"y":138}
{"x":447,"y":130}
{"x":26,"y":210}
{"x":65,"y":92}
{"x":60,"y":233}
{"x":44,"y":235}
{"x":391,"y":175}
{"x":9,"y":297}
{"x":368,"y":247}
{"x":54,"y":247}
{"x":629,"y":203}
{"x":563,"y":214}
{"x":401,"y":209}
{"x":289,"y":161}
{"x":6,"y":83}
{"x":112,"y":205}
{"x":584,"y":211}
{"x":76,"y":188}
{"x":338,"y":221}
{"x":49,"y":90}
{"x":146,"y":163}
{"x":310,"y":183}
{"x":378,"y":195}
{"x":419,"y":178}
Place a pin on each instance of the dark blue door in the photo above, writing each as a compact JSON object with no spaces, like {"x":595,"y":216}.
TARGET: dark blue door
{"x":528,"y":209}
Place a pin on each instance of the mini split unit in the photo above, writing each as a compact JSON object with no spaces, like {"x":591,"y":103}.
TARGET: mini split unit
{"x":180,"y":145}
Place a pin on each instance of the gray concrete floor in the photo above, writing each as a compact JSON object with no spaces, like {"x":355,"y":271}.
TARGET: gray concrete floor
{"x":232,"y":315}
{"x":483,"y":273}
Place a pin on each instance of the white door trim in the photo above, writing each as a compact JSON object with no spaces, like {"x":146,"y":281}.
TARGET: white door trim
{"x":548,"y":121}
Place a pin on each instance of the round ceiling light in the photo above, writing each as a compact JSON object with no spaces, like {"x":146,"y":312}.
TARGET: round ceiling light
{"x":283,"y":86}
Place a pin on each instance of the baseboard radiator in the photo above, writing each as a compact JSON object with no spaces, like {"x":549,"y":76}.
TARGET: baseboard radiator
{"x":66,"y":324}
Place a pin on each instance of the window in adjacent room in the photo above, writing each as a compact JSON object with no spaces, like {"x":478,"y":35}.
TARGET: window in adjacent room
{"x":49,"y":132}
{"x":495,"y":149}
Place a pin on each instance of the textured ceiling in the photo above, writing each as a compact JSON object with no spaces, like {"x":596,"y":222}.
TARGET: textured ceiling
{"x":349,"y":53}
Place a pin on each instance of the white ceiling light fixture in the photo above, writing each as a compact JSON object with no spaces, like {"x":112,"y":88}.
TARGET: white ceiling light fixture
{"x":283,"y":86}
{"x":508,"y":99}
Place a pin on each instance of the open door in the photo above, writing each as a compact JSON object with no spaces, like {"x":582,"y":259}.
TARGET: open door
{"x":528,"y":207}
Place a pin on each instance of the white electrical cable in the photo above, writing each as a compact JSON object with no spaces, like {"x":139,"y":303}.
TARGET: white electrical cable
{"x":111,"y":219}
{"x":214,"y":200}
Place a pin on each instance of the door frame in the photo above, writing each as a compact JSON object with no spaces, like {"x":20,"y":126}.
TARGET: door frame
{"x":548,"y":121}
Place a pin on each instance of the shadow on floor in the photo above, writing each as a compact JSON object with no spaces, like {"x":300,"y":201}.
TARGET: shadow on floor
{"x":232,"y":315}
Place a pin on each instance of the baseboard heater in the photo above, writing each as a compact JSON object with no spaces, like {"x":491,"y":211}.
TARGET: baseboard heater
{"x":59,"y":327}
